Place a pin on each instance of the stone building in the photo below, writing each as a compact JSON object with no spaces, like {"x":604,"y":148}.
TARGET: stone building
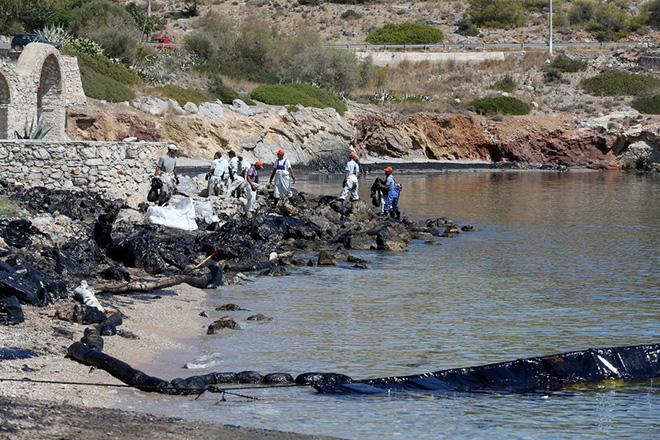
{"x":37,"y":84}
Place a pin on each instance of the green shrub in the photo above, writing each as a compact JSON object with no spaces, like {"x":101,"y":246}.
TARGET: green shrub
{"x":652,"y":8}
{"x":609,"y":23}
{"x":560,"y":19}
{"x":330,"y":68}
{"x":503,"y":105}
{"x":581,"y":11}
{"x":96,"y":14}
{"x":326,"y":98}
{"x":35,"y":16}
{"x":8,"y":208}
{"x":108,"y":24}
{"x":283,"y":94}
{"x":647,"y":104}
{"x":537,"y":5}
{"x":467,"y":29}
{"x":564,"y":64}
{"x":222,"y":28}
{"x":117,"y":43}
{"x":293,"y":94}
{"x":99,"y":86}
{"x":202,"y":45}
{"x":239,"y":70}
{"x":638,"y":22}
{"x":227,"y":95}
{"x":553,"y":76}
{"x":181,"y":95}
{"x":506,"y":84}
{"x":102,"y":65}
{"x":406,"y":33}
{"x":224,"y":94}
{"x":350,"y":14}
{"x":497,"y":13}
{"x":619,"y":83}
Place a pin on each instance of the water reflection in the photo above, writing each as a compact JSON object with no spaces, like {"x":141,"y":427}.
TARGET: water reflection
{"x":559,"y":262}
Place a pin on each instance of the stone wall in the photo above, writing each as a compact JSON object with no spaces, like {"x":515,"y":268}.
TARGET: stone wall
{"x":115,"y":169}
{"x":386,"y":58}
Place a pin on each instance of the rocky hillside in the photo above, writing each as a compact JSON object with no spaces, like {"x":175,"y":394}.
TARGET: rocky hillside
{"x":290,"y":17}
{"x":567,"y":127}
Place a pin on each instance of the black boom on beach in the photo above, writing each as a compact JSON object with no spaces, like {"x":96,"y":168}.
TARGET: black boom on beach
{"x":546,"y":373}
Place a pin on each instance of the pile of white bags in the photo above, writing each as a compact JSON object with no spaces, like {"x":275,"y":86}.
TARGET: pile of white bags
{"x":181,"y":215}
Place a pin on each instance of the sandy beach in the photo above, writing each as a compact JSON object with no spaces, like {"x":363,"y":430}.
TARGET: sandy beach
{"x":153,"y":323}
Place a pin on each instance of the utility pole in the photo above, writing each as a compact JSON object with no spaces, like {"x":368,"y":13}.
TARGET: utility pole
{"x":550,"y":38}
{"x":149,"y":16}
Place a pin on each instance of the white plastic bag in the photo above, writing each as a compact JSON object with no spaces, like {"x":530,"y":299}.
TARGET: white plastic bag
{"x":180,"y":215}
{"x":205,"y":210}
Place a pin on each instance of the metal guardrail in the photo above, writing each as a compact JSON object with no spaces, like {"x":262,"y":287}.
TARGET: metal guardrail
{"x":485,"y":46}
{"x":155,"y":43}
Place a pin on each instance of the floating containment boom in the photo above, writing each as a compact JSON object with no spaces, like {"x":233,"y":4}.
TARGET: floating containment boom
{"x":545,"y":373}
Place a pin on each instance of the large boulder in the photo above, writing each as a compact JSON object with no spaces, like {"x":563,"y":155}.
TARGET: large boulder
{"x":388,"y":239}
{"x":361,"y":242}
{"x":326,"y":259}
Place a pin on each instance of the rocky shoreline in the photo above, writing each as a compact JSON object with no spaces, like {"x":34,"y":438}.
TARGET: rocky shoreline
{"x":319,"y":140}
{"x":64,"y":237}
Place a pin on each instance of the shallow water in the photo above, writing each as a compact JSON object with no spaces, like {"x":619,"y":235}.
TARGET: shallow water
{"x":559,"y":262}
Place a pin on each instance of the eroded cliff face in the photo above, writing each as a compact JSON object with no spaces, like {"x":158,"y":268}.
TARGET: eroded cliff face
{"x":623,"y":139}
{"x":322,"y":138}
{"x":319,"y":138}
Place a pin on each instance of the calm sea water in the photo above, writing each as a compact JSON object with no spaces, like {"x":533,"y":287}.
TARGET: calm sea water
{"x":559,"y":262}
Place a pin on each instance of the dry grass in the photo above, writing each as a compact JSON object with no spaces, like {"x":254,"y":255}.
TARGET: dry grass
{"x":241,"y":86}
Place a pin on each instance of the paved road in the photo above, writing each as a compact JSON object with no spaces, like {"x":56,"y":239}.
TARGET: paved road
{"x":5,"y":46}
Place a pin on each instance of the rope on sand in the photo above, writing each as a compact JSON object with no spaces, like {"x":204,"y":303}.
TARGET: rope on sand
{"x":210,"y":389}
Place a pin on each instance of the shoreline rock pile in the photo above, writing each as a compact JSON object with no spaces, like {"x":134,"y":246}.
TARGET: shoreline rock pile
{"x":67,"y":237}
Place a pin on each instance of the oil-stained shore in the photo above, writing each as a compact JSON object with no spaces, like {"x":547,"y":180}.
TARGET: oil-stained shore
{"x":65,"y":237}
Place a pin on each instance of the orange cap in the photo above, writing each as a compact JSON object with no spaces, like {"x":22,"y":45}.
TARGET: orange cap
{"x":388,"y":169}
{"x":260,"y":164}
{"x":280,"y":152}
{"x":351,"y":155}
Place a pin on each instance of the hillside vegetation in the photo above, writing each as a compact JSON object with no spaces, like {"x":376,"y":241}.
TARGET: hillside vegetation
{"x":228,"y":49}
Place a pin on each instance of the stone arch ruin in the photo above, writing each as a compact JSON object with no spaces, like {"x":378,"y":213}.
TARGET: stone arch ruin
{"x":33,"y":88}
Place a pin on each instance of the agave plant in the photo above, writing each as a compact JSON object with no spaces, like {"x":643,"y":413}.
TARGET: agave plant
{"x":56,"y":34}
{"x":33,"y":131}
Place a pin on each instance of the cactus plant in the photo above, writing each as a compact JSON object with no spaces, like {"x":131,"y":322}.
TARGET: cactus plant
{"x":382,"y":96}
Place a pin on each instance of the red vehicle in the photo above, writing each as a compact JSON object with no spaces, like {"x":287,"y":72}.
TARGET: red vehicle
{"x":161,"y":43}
